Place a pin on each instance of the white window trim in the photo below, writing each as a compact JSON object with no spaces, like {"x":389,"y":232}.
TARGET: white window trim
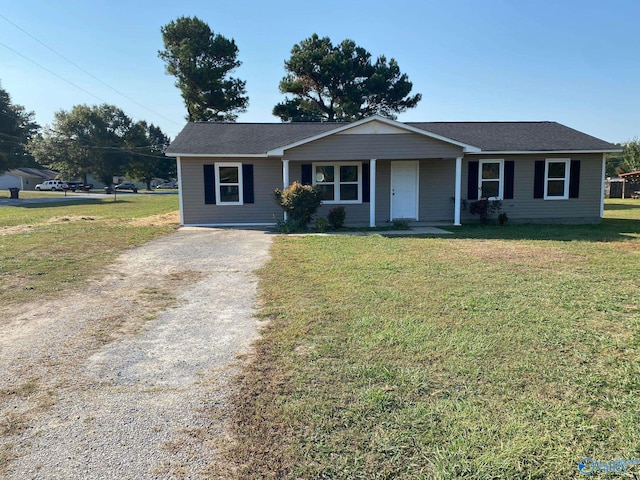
{"x":567,"y":163}
{"x":500,"y":177}
{"x":336,"y":181}
{"x":238,"y":165}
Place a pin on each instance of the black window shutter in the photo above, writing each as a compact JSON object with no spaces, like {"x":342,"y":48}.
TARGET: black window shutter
{"x":509,"y":170}
{"x":209,"y":185}
{"x":574,"y":179}
{"x":472,"y":181}
{"x":306,"y":175}
{"x":247,"y":183}
{"x":538,"y":179}
{"x":366,"y":183}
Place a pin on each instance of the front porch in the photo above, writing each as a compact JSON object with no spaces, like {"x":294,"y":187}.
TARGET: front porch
{"x":375,"y":192}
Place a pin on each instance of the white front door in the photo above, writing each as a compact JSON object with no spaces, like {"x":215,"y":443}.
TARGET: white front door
{"x":404,"y":190}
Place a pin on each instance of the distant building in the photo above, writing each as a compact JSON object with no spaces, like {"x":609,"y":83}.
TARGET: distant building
{"x":25,"y":178}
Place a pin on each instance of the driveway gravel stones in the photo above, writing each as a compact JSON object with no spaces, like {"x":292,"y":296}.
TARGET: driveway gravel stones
{"x":119,"y":381}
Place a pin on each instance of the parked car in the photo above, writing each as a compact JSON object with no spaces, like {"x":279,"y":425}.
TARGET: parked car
{"x":167,"y":185}
{"x":53,"y":185}
{"x":126,"y":186}
{"x":73,"y":186}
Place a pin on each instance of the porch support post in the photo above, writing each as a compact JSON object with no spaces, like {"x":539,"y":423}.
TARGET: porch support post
{"x":285,"y":173}
{"x":180,"y":190}
{"x":603,"y":179}
{"x":285,"y":179}
{"x":458,"y":190}
{"x":372,"y":192}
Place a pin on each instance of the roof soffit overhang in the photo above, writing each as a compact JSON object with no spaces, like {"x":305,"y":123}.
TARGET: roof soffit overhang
{"x":539,"y":152}
{"x":279,"y":152}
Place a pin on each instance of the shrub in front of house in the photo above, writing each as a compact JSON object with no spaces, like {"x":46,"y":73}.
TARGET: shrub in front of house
{"x":300,"y":202}
{"x":484,"y":208}
{"x":336,"y":217}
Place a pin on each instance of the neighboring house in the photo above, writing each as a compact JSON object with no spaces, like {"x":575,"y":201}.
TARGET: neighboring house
{"x":25,"y":178}
{"x":380,"y":170}
{"x":630,"y":185}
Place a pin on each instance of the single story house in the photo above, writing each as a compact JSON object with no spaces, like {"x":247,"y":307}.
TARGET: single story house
{"x":380,"y":170}
{"x":25,"y":178}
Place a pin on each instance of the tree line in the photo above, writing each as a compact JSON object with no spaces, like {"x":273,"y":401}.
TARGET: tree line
{"x":99,"y":140}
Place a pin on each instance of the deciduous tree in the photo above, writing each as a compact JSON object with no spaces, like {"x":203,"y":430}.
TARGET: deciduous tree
{"x":630,"y":156}
{"x":17,"y":128}
{"x":101,"y":141}
{"x":202,"y":63}
{"x":341,"y":83}
{"x":147,"y":144}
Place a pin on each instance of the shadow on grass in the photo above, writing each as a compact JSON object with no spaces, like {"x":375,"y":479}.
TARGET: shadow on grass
{"x":623,"y":206}
{"x":610,"y":230}
{"x":62,"y":201}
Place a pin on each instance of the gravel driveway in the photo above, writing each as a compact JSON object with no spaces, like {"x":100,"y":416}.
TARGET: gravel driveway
{"x":123,"y":380}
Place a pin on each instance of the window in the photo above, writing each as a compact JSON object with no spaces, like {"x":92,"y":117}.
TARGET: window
{"x":490,"y":179}
{"x":556,"y":179}
{"x":339,"y":182}
{"x":229,"y":184}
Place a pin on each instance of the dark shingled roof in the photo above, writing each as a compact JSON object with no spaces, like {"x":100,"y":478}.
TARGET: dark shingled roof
{"x":258,"y":138}
{"x":516,"y":136}
{"x":242,"y":138}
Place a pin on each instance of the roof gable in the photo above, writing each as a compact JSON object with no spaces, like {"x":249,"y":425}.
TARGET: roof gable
{"x":375,"y":123}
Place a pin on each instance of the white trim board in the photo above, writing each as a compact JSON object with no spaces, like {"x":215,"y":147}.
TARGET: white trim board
{"x":218,"y":155}
{"x":537,"y":152}
{"x":229,"y":225}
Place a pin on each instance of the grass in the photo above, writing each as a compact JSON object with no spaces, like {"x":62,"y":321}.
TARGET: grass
{"x":498,"y":352}
{"x":48,"y":248}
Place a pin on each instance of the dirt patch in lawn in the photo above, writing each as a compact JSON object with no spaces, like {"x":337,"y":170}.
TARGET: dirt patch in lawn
{"x":164,"y":219}
{"x":72,"y":218}
{"x":15,"y":230}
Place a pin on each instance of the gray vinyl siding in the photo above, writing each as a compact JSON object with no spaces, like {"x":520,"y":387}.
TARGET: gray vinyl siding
{"x":437,"y":190}
{"x":380,"y":146}
{"x":383,"y":192}
{"x":267,"y":175}
{"x":524,"y":207}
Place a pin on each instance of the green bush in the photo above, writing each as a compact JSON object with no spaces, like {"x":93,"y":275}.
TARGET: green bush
{"x":300,"y":202}
{"x":336,"y":217}
{"x":322,"y":224}
{"x":400,"y":224}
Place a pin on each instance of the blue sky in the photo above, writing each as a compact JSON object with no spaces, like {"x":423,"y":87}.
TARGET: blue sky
{"x":575,"y":62}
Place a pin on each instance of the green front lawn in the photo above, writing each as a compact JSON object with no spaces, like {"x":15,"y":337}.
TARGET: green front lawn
{"x":48,"y":248}
{"x":496,"y":352}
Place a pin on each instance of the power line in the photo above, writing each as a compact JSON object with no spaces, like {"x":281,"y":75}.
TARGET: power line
{"x":53,"y":73}
{"x":89,"y":144}
{"x":85,"y":71}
